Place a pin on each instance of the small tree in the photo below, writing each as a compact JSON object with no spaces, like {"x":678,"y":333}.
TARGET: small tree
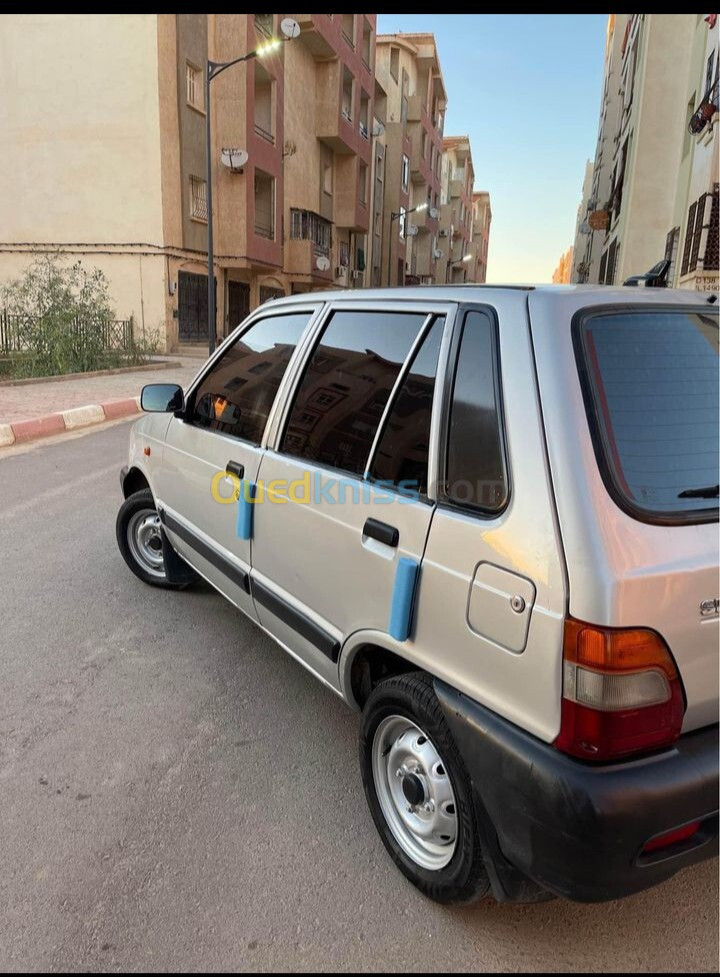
{"x":62,"y":315}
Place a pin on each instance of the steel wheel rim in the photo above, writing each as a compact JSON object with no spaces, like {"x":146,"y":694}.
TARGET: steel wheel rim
{"x":405,"y":764}
{"x":145,"y":541}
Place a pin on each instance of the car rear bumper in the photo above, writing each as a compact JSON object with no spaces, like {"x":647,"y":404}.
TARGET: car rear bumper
{"x":579,"y":830}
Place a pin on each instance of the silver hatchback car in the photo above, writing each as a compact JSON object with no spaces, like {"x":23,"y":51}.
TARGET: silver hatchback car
{"x":487,"y":518}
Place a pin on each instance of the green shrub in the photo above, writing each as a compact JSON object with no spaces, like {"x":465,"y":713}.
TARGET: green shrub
{"x":62,"y":320}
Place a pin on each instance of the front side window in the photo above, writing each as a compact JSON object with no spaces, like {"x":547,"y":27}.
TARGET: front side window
{"x":650,"y":381}
{"x":346,"y":385}
{"x":475,"y":472}
{"x":401,"y":457}
{"x":237,"y":394}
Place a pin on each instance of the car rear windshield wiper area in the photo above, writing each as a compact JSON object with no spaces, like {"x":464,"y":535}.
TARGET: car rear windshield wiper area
{"x":707,"y":492}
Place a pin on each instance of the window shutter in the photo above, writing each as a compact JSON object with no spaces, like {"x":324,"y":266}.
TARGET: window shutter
{"x":688,"y":239}
{"x":710,"y":262}
{"x":699,"y":221}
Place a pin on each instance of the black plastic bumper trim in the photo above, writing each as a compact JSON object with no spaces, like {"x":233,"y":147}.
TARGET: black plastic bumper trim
{"x":305,"y":626}
{"x":123,"y":476}
{"x":579,"y":829}
{"x":231,"y":571}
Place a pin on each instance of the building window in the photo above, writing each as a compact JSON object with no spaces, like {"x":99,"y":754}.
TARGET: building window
{"x":394,"y":62}
{"x":194,"y":87}
{"x":264,"y":24}
{"x":264,"y":205}
{"x":709,"y":73}
{"x":263,"y":104}
{"x":401,"y":221}
{"x":348,"y":28}
{"x":671,"y":249}
{"x":347,"y":94}
{"x":198,"y":199}
{"x":307,"y":226}
{"x":363,"y":179}
{"x":712,"y":245}
{"x":367,"y":44}
{"x":405,"y":172}
{"x":364,"y":125}
{"x":328,"y":179}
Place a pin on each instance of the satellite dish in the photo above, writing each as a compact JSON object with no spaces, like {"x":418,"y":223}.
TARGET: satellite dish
{"x":289,"y":28}
{"x":233,"y":159}
{"x":433,"y":213}
{"x":378,"y":128}
{"x":437,"y":253}
{"x":322,"y":263}
{"x":411,"y":230}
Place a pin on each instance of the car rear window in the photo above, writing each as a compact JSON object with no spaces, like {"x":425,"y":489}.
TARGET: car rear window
{"x":650,"y":382}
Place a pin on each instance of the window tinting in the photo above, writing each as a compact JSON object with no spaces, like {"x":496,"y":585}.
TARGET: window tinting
{"x":346,"y":386}
{"x":402,"y":451}
{"x":236,"y":396}
{"x":653,"y":385}
{"x":475,"y":474}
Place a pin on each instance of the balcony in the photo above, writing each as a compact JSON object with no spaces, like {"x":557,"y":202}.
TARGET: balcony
{"x":335,"y":125}
{"x":302,"y":258}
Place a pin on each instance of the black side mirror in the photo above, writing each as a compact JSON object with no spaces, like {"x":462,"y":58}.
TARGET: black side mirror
{"x":161,"y":397}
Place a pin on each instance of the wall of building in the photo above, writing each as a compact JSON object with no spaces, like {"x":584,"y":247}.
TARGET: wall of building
{"x":84,"y":174}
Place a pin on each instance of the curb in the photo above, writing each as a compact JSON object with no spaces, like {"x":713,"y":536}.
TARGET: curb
{"x":67,"y":420}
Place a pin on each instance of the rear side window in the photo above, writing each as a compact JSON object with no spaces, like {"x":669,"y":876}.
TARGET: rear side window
{"x":475,"y":472}
{"x":236,"y":395}
{"x":346,"y":385}
{"x":650,"y":382}
{"x":401,"y":457}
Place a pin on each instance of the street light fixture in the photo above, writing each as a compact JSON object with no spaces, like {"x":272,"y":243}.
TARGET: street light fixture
{"x":289,"y":29}
{"x":395,"y":215}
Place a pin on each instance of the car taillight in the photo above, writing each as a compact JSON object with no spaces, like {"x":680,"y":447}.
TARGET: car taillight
{"x":621,"y":692}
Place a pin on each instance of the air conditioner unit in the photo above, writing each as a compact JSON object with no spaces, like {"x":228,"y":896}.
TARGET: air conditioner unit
{"x":443,"y":233}
{"x":356,"y":276}
{"x":340,"y":271}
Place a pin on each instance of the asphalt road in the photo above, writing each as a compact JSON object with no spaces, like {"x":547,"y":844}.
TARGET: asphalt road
{"x":177,"y":794}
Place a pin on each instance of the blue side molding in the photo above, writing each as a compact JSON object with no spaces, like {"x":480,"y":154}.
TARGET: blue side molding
{"x":406,"y":576}
{"x":245,"y":510}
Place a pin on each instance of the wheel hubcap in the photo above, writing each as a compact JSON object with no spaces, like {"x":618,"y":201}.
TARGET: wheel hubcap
{"x":415,"y":793}
{"x":145,"y":541}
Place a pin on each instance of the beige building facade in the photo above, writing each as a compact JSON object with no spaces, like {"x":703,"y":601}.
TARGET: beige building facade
{"x":480,"y":244}
{"x":105,"y":143}
{"x":654,"y":182}
{"x":408,"y":71}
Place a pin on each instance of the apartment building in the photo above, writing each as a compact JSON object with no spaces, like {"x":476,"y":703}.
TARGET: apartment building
{"x":106,"y":141}
{"x":408,"y":72}
{"x":481,"y":220}
{"x":582,"y":228}
{"x":456,"y":211}
{"x":561,"y":275}
{"x":654,"y":181}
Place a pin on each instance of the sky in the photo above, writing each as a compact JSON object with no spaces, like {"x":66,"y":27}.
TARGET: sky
{"x":526,"y":89}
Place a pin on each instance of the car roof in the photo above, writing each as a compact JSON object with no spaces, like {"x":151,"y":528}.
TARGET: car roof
{"x":590,"y":294}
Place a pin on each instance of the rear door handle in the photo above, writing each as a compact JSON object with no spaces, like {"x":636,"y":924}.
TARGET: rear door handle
{"x":234,"y":468}
{"x":381,"y":532}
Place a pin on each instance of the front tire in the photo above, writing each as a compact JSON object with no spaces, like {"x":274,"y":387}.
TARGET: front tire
{"x":138,"y":535}
{"x":419,"y":791}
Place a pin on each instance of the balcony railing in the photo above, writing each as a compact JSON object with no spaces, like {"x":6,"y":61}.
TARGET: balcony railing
{"x":364,"y":131}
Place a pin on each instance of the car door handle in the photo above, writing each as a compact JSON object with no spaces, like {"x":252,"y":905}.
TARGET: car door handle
{"x":381,"y":532}
{"x":234,"y":468}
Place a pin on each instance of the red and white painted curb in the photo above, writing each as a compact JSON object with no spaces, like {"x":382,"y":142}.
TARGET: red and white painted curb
{"x":66,"y":420}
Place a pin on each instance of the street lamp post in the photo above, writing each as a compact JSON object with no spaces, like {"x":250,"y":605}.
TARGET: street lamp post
{"x":290,"y":29}
{"x":395,"y":215}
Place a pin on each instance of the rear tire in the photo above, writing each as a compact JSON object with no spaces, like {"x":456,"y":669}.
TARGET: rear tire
{"x":138,"y":535}
{"x":419,"y":791}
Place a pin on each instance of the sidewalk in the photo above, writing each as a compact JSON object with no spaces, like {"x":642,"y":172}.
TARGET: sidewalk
{"x":104,"y":397}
